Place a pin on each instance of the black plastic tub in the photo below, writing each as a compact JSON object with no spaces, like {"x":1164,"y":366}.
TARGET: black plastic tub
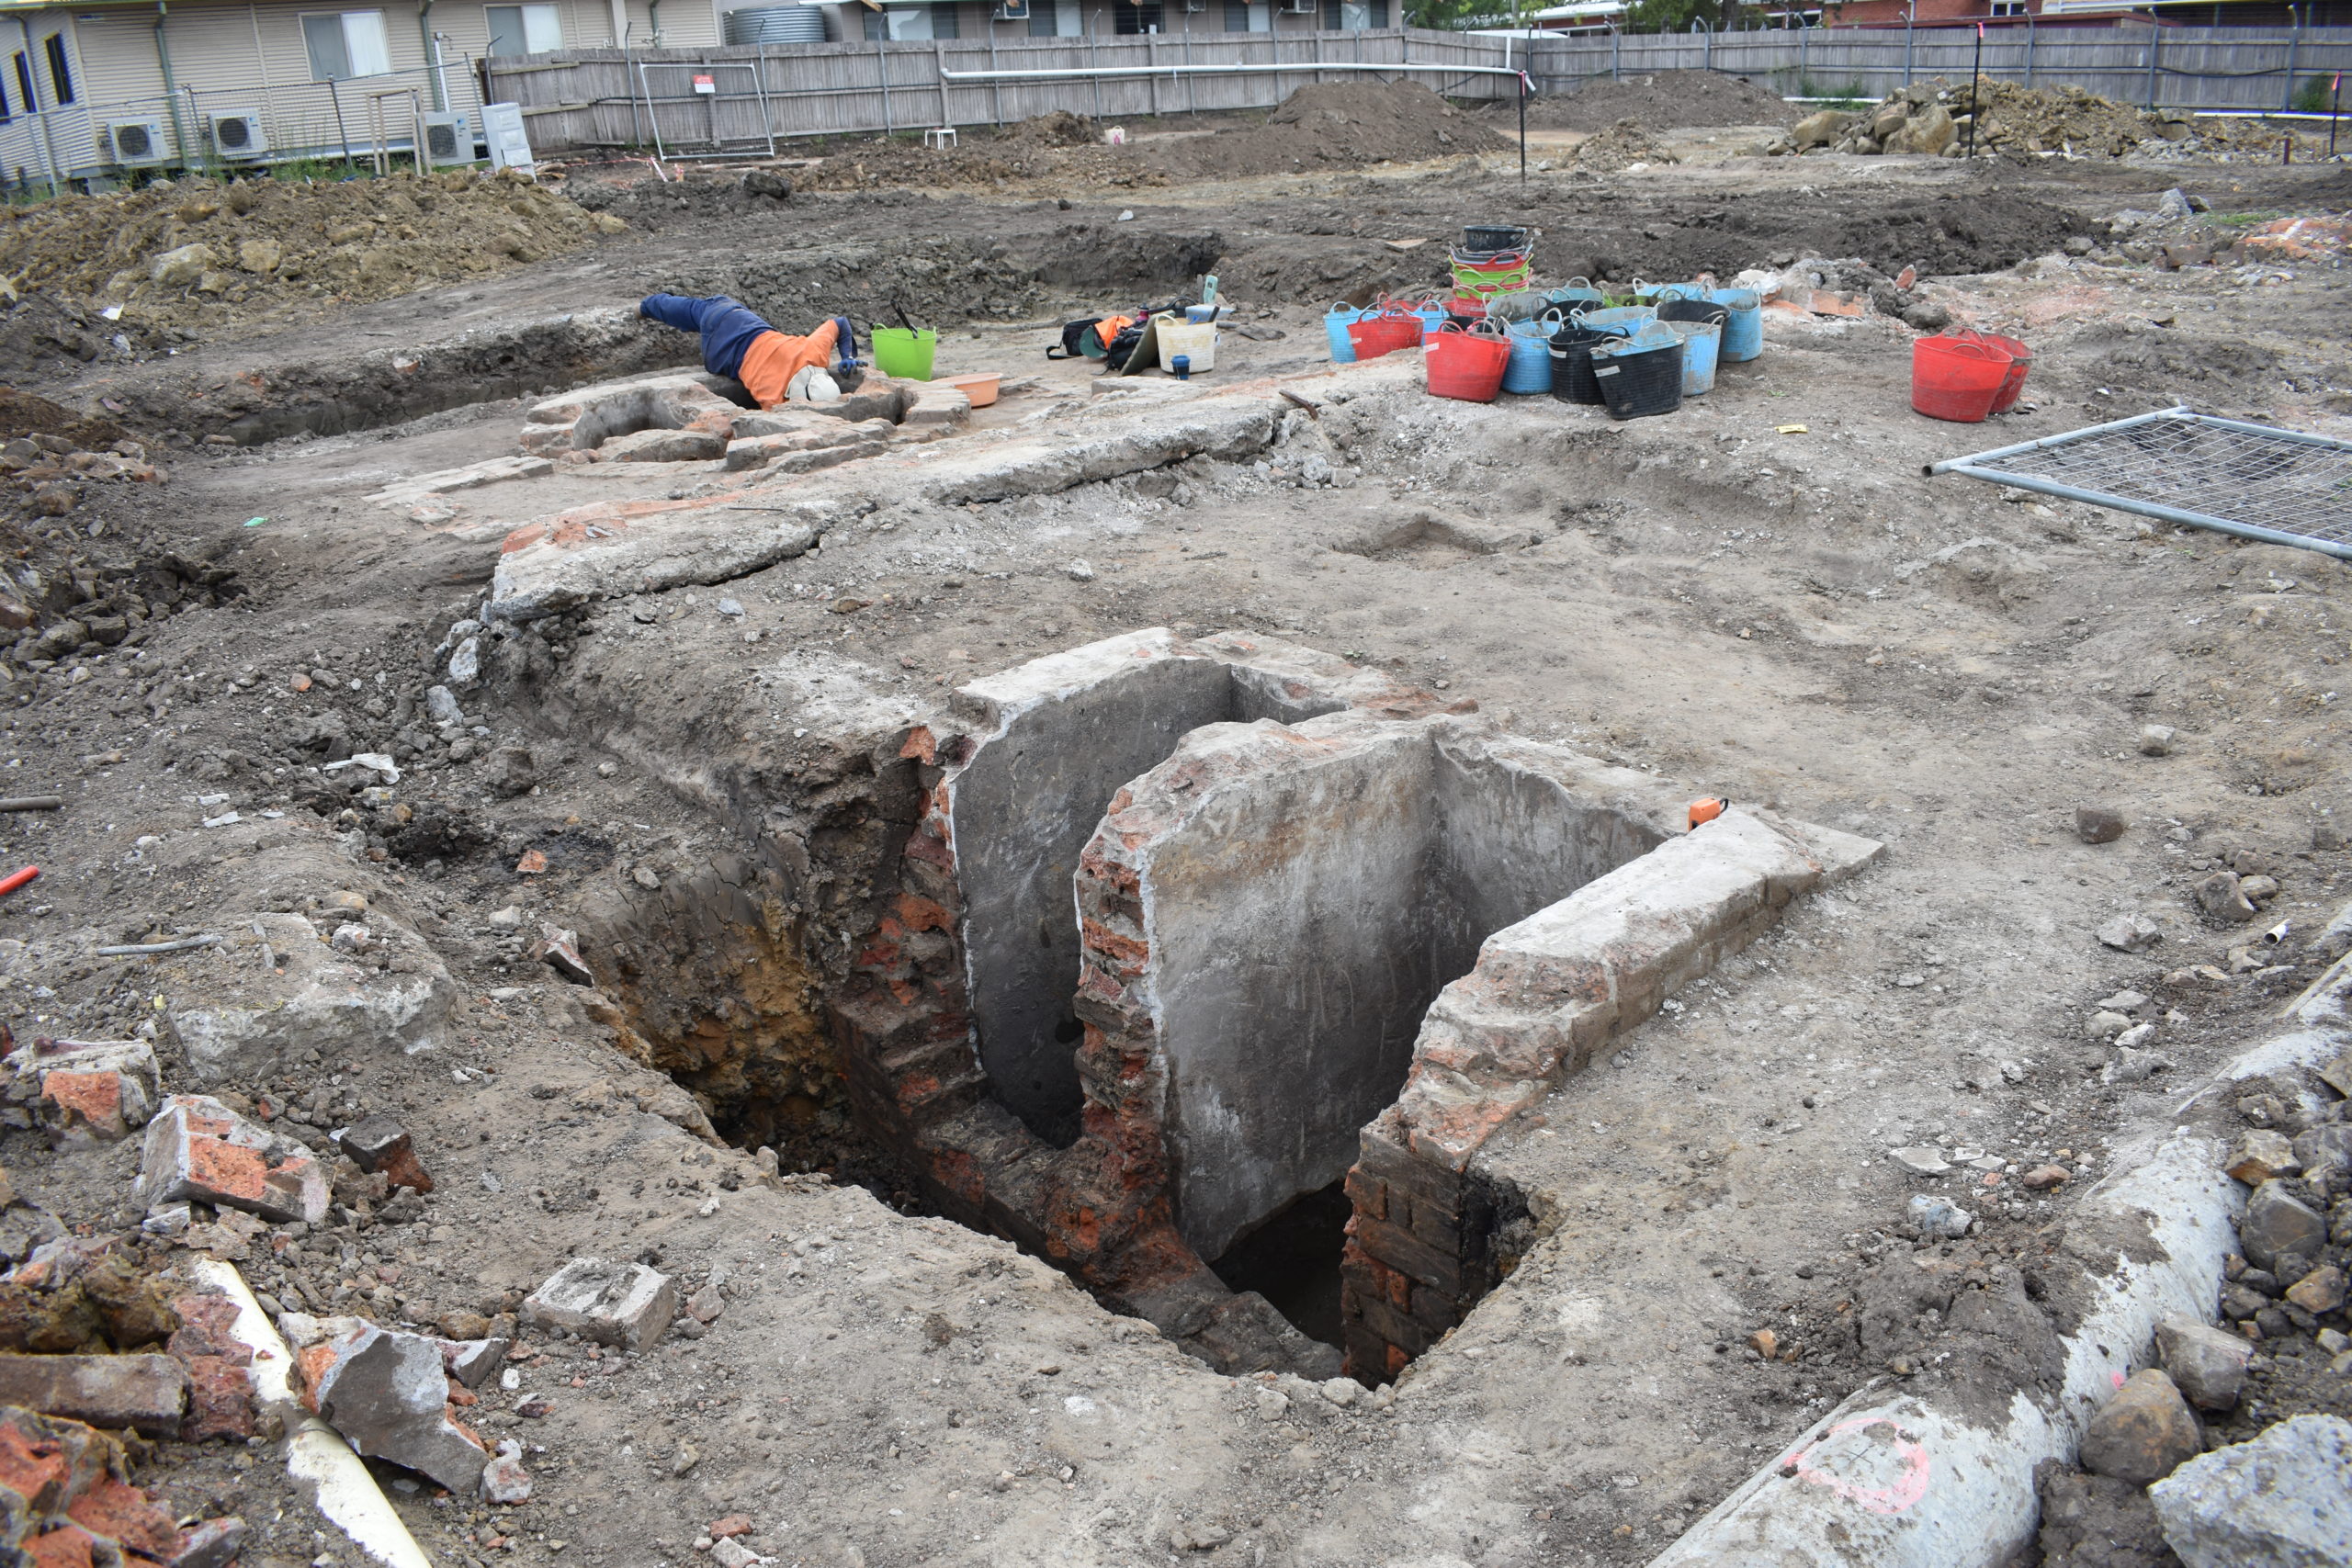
{"x":1492,"y":237}
{"x":1572,"y":380}
{"x":1637,"y":383}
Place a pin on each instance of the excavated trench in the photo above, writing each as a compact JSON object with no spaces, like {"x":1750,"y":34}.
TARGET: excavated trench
{"x":1162,"y":958}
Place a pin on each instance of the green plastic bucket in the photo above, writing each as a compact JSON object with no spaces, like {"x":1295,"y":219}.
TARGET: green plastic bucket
{"x":905,"y":355}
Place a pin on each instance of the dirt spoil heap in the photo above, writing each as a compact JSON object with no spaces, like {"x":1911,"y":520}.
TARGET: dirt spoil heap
{"x":1668,"y":100}
{"x":1335,"y":126}
{"x":192,"y":253}
{"x":1347,"y":125}
{"x":1620,"y":146}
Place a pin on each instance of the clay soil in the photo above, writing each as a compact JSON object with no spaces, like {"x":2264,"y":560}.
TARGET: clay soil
{"x":1760,"y":597}
{"x":1664,"y":100}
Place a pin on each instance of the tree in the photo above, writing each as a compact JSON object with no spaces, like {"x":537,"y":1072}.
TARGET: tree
{"x":1676,"y":16}
{"x":1459,"y":15}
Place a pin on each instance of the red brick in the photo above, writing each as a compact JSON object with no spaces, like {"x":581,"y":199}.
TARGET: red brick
{"x":34,"y":1468}
{"x":123,"y":1515}
{"x":219,"y":1399}
{"x":68,"y":1547}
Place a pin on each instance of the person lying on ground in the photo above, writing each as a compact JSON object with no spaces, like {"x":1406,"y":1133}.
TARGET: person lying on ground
{"x":772,"y":366}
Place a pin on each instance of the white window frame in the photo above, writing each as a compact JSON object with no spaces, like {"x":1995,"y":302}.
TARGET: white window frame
{"x":367,"y":44}
{"x":540,"y":23}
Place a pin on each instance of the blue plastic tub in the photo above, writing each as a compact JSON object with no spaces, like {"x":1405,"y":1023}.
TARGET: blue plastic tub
{"x":1335,"y":327}
{"x":1701,"y":341}
{"x":1530,"y":369}
{"x":1743,"y":331}
{"x":1618,"y":321}
{"x":1577,"y":294}
{"x":1432,"y":315}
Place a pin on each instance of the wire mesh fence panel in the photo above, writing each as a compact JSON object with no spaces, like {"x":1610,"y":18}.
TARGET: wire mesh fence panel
{"x":2243,"y":478}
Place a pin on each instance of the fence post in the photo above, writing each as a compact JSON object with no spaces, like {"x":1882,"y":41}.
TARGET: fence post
{"x":1614,"y":39}
{"x":2294,"y":52}
{"x":882,"y":74}
{"x":1151,"y":71}
{"x":995,"y":89}
{"x":1907,"y":17}
{"x":2155,"y":45}
{"x":939,"y":67}
{"x":1804,"y":66}
{"x":2029,"y":48}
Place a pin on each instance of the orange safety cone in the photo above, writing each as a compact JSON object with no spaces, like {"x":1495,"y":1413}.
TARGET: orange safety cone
{"x":1706,"y":810}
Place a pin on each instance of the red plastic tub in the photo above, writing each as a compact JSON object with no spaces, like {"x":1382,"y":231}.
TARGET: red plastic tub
{"x":1956,"y":379}
{"x":2020,"y":361}
{"x":1384,"y":333}
{"x":1468,"y":364}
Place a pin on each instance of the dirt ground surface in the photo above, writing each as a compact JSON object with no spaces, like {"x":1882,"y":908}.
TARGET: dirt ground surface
{"x":1663,"y":100}
{"x":1760,"y":596}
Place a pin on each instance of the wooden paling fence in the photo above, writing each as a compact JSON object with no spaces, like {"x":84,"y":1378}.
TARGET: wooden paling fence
{"x":751,"y":98}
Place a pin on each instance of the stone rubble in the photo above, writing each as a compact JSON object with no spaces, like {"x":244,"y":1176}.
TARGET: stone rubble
{"x":2283,"y":1500}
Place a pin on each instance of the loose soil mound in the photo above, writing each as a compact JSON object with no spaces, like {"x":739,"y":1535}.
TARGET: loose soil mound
{"x":1336,"y":126}
{"x":1668,"y":100}
{"x":21,"y":414}
{"x":194,"y":253}
{"x":1620,"y":146}
{"x":1347,"y":125}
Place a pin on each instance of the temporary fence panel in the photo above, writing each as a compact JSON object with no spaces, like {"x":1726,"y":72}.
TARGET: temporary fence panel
{"x":2286,"y":487}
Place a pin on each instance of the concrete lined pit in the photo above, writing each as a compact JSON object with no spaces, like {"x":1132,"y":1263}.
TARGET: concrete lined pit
{"x":1246,"y":933}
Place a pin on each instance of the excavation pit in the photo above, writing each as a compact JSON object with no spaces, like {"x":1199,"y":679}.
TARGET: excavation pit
{"x":1178,"y":947}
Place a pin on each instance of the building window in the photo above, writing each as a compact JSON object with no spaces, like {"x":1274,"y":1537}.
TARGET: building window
{"x":1056,"y":19}
{"x":1249,"y":15}
{"x":7,"y":112}
{"x":60,"y":74}
{"x":524,"y":29}
{"x":2009,"y":7}
{"x":1144,"y":18}
{"x":346,"y":44}
{"x":25,"y":83}
{"x":1355,"y":16}
{"x":912,"y":22}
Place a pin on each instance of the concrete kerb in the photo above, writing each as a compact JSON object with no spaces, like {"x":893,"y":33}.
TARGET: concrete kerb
{"x":1889,"y":1481}
{"x":316,"y":1456}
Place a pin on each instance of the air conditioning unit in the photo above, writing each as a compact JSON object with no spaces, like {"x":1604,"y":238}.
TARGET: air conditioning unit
{"x":239,"y":136}
{"x":1012,"y":11}
{"x":1196,"y":5}
{"x":132,"y":143}
{"x":448,"y":139}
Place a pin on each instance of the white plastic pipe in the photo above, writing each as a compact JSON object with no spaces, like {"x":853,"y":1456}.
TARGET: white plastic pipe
{"x":315,"y":1454}
{"x":1888,"y":1480}
{"x":1301,"y":68}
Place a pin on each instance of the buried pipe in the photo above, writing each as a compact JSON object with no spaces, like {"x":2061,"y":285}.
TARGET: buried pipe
{"x":316,"y":1455}
{"x":1897,"y":1481}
